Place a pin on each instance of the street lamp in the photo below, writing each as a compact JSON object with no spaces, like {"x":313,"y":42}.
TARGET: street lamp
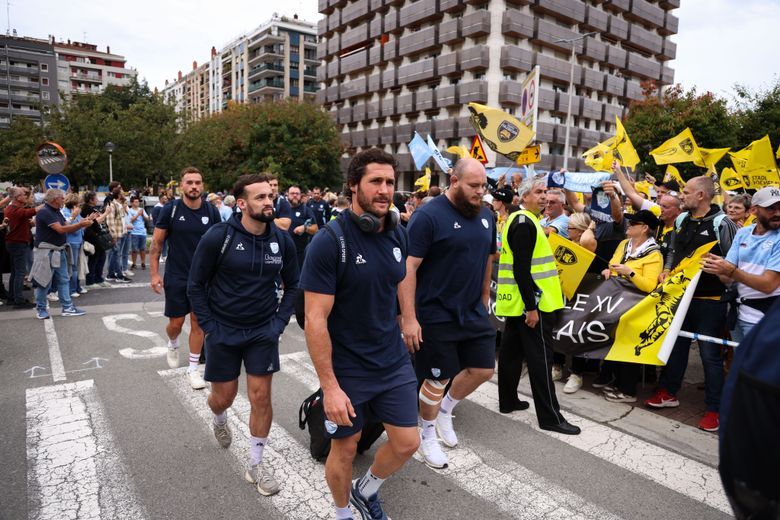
{"x":109,"y":147}
{"x":572,"y":41}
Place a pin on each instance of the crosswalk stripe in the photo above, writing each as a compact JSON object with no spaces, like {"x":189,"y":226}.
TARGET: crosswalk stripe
{"x":55,"y":356}
{"x":676,"y":472}
{"x":486,"y":474}
{"x":304,"y":493}
{"x":74,"y":469}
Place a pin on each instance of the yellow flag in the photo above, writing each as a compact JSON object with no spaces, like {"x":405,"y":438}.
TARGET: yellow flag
{"x":777,"y":154}
{"x":673,"y":174}
{"x":572,"y":261}
{"x":643,"y":187}
{"x":751,"y":219}
{"x":460,"y":151}
{"x":730,"y":180}
{"x":642,"y":329}
{"x":600,"y":157}
{"x":626,"y":154}
{"x":756,"y":164}
{"x":502,"y":132}
{"x":423,"y":183}
{"x":680,"y":148}
{"x":709,"y":157}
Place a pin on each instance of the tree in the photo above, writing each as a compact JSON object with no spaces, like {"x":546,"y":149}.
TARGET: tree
{"x":758,"y":114}
{"x":655,"y":119}
{"x":18,"y":163}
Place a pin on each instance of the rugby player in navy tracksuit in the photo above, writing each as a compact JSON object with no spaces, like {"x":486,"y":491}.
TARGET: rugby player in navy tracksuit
{"x":353,"y":335}
{"x":233,"y":290}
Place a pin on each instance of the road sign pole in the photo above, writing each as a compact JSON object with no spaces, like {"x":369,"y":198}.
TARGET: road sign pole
{"x":110,"y":169}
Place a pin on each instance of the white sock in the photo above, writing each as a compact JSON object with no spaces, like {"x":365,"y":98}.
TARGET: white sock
{"x":343,"y":513}
{"x":369,"y":484}
{"x":194,"y":358}
{"x":173,"y":343}
{"x":428,"y":429}
{"x":220,"y":419}
{"x":256,"y":445}
{"x":448,"y":403}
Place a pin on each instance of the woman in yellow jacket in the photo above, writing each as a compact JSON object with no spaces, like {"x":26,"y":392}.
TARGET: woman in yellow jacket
{"x":637,"y":259}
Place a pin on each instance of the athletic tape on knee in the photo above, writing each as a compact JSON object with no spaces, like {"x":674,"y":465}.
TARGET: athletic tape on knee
{"x":432,"y":391}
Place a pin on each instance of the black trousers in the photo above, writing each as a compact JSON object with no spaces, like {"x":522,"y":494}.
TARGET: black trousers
{"x":521,"y":342}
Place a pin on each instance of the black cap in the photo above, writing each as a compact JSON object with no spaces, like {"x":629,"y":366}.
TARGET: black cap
{"x":645,"y":217}
{"x":505,"y":195}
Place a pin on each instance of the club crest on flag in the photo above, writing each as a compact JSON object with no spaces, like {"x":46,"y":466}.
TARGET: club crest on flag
{"x":687,"y":146}
{"x":274,"y":247}
{"x":564,"y":255}
{"x":507,"y":131}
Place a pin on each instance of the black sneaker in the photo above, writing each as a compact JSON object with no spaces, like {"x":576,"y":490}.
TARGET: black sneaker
{"x":122,"y":279}
{"x":369,"y":508}
{"x":601,"y":381}
{"x":24,"y":305}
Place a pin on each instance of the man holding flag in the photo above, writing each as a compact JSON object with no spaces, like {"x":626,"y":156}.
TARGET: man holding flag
{"x":702,"y":223}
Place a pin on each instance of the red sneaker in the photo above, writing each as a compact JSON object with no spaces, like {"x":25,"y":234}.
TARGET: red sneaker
{"x":710,"y":422}
{"x":662,"y":399}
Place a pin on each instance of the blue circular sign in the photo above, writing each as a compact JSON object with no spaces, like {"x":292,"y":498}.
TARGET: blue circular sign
{"x":57,"y":181}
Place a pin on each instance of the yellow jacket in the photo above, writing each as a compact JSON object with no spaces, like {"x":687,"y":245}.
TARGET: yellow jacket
{"x":647,"y":267}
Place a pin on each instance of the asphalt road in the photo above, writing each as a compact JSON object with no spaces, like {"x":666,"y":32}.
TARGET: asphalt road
{"x":97,"y":426}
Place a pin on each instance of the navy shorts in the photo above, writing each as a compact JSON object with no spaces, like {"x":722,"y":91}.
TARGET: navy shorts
{"x":177,"y":304}
{"x":227,"y":347}
{"x":137,"y":243}
{"x":447,"y":348}
{"x":389,"y":398}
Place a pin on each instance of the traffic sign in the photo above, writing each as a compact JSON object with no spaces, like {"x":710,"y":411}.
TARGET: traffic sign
{"x":57,"y":181}
{"x":529,"y":106}
{"x":530,"y":155}
{"x":478,"y":150}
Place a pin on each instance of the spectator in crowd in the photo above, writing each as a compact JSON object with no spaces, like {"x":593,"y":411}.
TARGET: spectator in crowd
{"x":75,"y":239}
{"x":342,"y":203}
{"x":555,"y":219}
{"x":97,"y":261}
{"x":303,"y":224}
{"x":138,"y":219}
{"x":116,"y":226}
{"x":163,"y":200}
{"x":224,"y":212}
{"x":702,"y":223}
{"x":738,"y":209}
{"x":282,"y":210}
{"x":230,"y":202}
{"x":502,"y":203}
{"x":126,"y":237}
{"x":17,"y":240}
{"x":581,"y":231}
{"x":637,"y":260}
{"x":319,"y":207}
{"x":753,"y":262}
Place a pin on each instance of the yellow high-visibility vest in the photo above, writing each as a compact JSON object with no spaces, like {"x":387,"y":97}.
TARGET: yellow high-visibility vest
{"x":543,"y":272}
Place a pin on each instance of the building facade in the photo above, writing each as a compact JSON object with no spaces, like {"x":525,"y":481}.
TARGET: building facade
{"x":28,"y":79}
{"x":83,"y":69}
{"x":393,"y":67}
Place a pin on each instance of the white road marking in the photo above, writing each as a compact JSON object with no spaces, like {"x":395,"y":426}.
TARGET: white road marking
{"x":74,"y":468}
{"x":486,"y":474}
{"x":671,"y":470}
{"x":134,"y":285}
{"x":55,"y":356}
{"x":159,"y":349}
{"x":304,"y":493}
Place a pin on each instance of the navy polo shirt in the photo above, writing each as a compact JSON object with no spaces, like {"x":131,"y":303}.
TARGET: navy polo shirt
{"x":320,"y":210}
{"x":362,"y":325}
{"x":298,"y":215}
{"x":184,"y":232}
{"x":282,"y":208}
{"x":455,"y":252}
{"x":43,"y":232}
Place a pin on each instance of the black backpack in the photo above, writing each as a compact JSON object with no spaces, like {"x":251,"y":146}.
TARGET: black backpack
{"x":312,"y":413}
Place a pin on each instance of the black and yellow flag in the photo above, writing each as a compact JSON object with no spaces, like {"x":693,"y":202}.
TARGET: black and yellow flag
{"x":730,"y":180}
{"x":680,"y":148}
{"x":502,"y":132}
{"x":572,"y":261}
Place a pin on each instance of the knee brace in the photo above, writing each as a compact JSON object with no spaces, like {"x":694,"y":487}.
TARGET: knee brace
{"x":432,"y":391}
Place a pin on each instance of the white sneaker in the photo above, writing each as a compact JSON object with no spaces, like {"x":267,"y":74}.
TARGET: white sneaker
{"x":445,"y":431}
{"x":557,"y":373}
{"x":432,"y":454}
{"x":129,"y":273}
{"x":573,"y":384}
{"x":75,"y":295}
{"x":83,"y":290}
{"x":52,"y":297}
{"x":196,"y":380}
{"x":265,"y":482}
{"x":222,"y":434}
{"x":173,"y":357}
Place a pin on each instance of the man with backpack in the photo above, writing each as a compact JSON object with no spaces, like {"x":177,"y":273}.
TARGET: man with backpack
{"x":350,"y":278}
{"x":702,"y":222}
{"x":233,"y":291}
{"x":181,"y":222}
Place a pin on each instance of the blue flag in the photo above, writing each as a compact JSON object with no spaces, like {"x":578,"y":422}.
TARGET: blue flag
{"x":419,"y":150}
{"x":443,"y":163}
{"x":600,"y":205}
{"x":556,"y":179}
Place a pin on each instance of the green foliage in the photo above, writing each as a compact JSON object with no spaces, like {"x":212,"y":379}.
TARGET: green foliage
{"x":18,"y":163}
{"x":758,"y":114}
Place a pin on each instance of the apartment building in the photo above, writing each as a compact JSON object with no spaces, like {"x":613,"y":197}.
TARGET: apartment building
{"x":83,"y":69}
{"x":28,"y":79}
{"x":393,"y":67}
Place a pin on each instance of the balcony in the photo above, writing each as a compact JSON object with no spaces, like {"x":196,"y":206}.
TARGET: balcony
{"x":643,"y":40}
{"x":448,"y":64}
{"x":516,"y":59}
{"x":82,"y":76}
{"x":417,"y":42}
{"x":450,"y":31}
{"x":517,"y":24}
{"x":569,"y":11}
{"x":426,"y":99}
{"x":473,"y":92}
{"x":510,"y":93}
{"x":617,"y":29}
{"x":418,"y":12}
{"x":476,"y":58}
{"x":271,"y":84}
{"x":445,"y":128}
{"x":423,"y":70}
{"x":596,"y":19}
{"x":266,"y":69}
{"x":644,"y":12}
{"x":476,"y":24}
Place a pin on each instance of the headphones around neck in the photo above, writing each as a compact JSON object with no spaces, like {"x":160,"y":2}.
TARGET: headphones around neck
{"x":369,"y":223}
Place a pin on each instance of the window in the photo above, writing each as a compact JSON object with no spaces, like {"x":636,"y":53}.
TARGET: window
{"x":45,"y":82}
{"x":44,"y":67}
{"x":44,"y":94}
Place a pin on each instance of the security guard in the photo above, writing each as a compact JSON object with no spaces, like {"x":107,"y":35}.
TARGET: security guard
{"x":529,"y":294}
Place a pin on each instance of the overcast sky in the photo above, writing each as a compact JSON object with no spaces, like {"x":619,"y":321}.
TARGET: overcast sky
{"x":720,"y":42}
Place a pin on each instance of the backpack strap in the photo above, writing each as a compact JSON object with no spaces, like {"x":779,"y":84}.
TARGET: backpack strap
{"x":175,"y":203}
{"x":334,"y":229}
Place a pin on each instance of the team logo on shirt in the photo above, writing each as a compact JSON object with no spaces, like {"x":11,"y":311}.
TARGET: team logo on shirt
{"x":274,"y":247}
{"x":240,"y":247}
{"x":359,"y":259}
{"x":297,"y":213}
{"x":435,"y":372}
{"x":456,"y":226}
{"x":205,"y":220}
{"x":485,"y":223}
{"x":397,"y":254}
